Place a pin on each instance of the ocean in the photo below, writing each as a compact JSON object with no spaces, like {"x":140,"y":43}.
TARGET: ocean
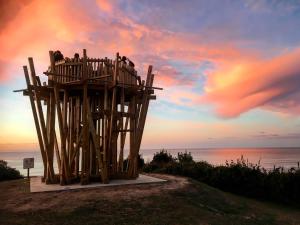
{"x":268,"y":157}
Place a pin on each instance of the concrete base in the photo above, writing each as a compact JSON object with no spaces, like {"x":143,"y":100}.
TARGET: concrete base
{"x":36,"y":185}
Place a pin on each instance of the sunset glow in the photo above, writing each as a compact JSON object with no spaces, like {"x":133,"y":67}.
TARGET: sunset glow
{"x":230,"y":71}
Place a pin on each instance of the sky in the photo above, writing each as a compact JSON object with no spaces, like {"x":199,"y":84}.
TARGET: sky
{"x":230,"y":69}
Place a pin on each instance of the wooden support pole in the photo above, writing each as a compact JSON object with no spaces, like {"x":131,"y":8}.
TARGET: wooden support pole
{"x":123,"y":135}
{"x":77,"y":127}
{"x":103,"y":171}
{"x":85,"y":145}
{"x":57,"y":153}
{"x":64,"y":176}
{"x":51,"y":118}
{"x":132,"y":168}
{"x":50,"y":171}
{"x":112,"y":146}
{"x":36,"y":120}
{"x":104,"y":133}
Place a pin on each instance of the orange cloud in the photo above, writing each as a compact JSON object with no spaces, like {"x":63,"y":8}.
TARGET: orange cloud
{"x":39,"y":26}
{"x":238,"y":87}
{"x":42,"y":25}
{"x":105,"y":5}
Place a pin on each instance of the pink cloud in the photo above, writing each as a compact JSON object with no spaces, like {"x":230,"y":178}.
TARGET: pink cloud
{"x":238,"y":87}
{"x":105,"y":5}
{"x":103,"y":29}
{"x":241,"y":82}
{"x":37,"y":27}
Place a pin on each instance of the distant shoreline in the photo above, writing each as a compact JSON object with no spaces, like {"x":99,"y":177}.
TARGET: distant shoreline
{"x":268,"y":157}
{"x":175,"y":149}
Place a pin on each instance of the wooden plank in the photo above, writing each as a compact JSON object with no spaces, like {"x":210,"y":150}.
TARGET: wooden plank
{"x":141,"y":124}
{"x":57,"y":153}
{"x":50,"y":171}
{"x":105,"y":133}
{"x":77,"y":127}
{"x":97,"y":148}
{"x":64,"y":176}
{"x":85,"y":150}
{"x":51,"y":131}
{"x":36,"y":120}
{"x":112,"y":145}
{"x":71,"y":132}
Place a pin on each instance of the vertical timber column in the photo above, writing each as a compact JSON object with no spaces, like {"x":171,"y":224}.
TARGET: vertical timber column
{"x":144,"y":110}
{"x":64,"y":176}
{"x":105,"y":178}
{"x":36,"y":120}
{"x":85,"y":139}
{"x":132,"y":137}
{"x":50,"y":171}
{"x":51,"y":129}
{"x":77,"y":147}
{"x":113,"y":122}
{"x":123,"y":130}
{"x":133,"y":162}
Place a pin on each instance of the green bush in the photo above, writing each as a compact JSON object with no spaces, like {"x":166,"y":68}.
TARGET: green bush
{"x":141,"y":162}
{"x":185,"y":157}
{"x":238,"y":177}
{"x":162,"y":157}
{"x":8,"y":173}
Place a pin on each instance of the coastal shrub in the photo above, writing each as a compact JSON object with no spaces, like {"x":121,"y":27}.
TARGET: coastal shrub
{"x":162,"y":157}
{"x":239,"y":177}
{"x":141,"y":162}
{"x":8,"y":173}
{"x":160,"y":163}
{"x":185,"y":157}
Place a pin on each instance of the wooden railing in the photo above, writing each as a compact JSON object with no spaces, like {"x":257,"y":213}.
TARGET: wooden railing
{"x":70,"y":70}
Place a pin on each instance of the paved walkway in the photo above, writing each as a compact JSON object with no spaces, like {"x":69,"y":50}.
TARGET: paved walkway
{"x":36,"y":185}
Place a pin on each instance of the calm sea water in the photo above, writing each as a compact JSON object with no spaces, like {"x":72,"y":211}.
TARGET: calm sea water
{"x":268,"y":157}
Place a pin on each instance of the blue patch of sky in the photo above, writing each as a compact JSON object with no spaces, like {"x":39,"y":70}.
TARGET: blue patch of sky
{"x":265,"y":119}
{"x":168,"y":110}
{"x":249,"y":24}
{"x":194,"y":72}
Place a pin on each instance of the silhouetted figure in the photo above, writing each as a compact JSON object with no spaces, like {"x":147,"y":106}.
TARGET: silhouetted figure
{"x":123,"y":59}
{"x":76,"y":56}
{"x":58,"y":56}
{"x":131,"y":63}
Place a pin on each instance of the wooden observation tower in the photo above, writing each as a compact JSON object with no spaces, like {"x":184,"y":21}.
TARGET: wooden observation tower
{"x":84,"y":114}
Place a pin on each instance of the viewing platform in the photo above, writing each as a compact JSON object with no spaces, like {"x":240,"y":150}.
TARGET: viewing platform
{"x":94,"y":103}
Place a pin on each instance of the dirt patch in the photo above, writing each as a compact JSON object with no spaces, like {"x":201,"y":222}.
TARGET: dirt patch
{"x":16,"y":197}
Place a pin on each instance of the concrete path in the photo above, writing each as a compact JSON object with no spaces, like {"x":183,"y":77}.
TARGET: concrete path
{"x":36,"y":185}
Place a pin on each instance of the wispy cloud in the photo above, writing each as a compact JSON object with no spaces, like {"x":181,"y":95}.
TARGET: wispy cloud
{"x":238,"y":87}
{"x":276,"y":136}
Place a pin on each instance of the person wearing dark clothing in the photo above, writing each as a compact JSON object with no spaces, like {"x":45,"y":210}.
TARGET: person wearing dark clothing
{"x":123,"y":59}
{"x":76,"y":56}
{"x":131,"y":64}
{"x":58,"y":56}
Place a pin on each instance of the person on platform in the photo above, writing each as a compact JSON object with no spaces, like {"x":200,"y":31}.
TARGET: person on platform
{"x":58,"y":56}
{"x":76,"y":57}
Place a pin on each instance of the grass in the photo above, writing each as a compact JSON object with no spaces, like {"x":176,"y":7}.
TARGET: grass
{"x":238,"y":177}
{"x":195,"y":203}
